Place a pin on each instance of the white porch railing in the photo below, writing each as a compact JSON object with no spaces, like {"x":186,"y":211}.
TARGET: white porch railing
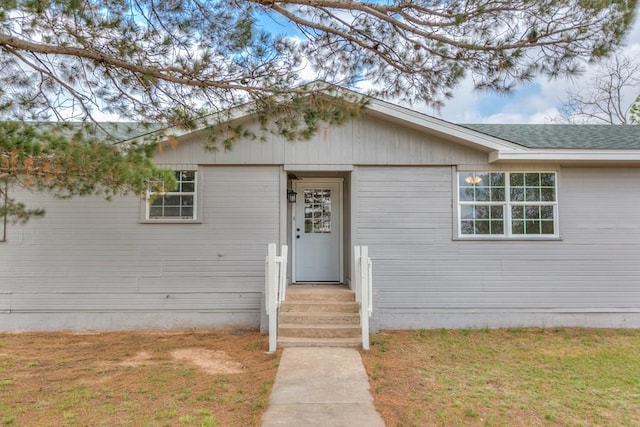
{"x":275,"y":288}
{"x":364,"y":289}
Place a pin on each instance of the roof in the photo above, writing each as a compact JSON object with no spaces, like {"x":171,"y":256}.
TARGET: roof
{"x":557,"y":136}
{"x":593,"y":144}
{"x":115,"y":131}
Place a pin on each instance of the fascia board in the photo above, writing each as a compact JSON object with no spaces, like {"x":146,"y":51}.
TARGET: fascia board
{"x":443,"y":127}
{"x":622,"y":156}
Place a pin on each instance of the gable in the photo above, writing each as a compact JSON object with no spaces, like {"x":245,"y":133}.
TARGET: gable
{"x":394,"y":135}
{"x":367,"y":140}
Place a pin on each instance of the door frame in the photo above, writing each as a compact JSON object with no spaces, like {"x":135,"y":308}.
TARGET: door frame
{"x":340,"y":219}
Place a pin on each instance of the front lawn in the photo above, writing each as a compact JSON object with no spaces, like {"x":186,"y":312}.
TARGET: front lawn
{"x":516,"y":377}
{"x":192,"y":378}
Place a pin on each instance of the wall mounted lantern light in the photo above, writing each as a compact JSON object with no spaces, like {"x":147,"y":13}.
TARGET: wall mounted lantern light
{"x":291,"y":196}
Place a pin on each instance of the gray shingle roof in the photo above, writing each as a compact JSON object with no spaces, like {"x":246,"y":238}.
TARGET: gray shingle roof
{"x":116,"y":131}
{"x":602,"y":137}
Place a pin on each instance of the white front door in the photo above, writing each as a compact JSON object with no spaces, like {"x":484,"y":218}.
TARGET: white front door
{"x":318,"y":231}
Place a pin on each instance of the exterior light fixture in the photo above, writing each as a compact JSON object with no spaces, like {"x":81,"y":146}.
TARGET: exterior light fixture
{"x":473,"y":180}
{"x":291,"y":196}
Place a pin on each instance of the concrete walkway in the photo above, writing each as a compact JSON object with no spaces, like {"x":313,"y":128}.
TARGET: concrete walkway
{"x":321,"y":386}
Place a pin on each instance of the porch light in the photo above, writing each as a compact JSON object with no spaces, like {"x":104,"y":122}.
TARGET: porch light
{"x":473,"y":180}
{"x":291,"y":196}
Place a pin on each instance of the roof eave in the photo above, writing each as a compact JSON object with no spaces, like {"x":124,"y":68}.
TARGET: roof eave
{"x":566,"y":156}
{"x":428,"y":123}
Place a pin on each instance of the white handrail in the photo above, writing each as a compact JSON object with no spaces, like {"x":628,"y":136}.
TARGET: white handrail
{"x":370,"y":277}
{"x":275,"y":289}
{"x":364,"y":289}
{"x":282,"y":288}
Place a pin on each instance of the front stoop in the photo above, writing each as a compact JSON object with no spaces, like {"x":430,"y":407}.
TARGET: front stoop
{"x":319,"y":315}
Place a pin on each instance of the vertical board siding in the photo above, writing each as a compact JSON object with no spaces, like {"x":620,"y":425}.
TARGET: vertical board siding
{"x":405,"y":216}
{"x":89,"y":255}
{"x":368,"y":140}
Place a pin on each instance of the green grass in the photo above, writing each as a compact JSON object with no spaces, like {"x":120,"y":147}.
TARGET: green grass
{"x":507,"y":377}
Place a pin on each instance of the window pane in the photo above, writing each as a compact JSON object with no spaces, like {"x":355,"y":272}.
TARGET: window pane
{"x":497,"y":227}
{"x":171,"y":212}
{"x":517,"y":227}
{"x":158,"y":201}
{"x":532,"y":212}
{"x":171,"y":200}
{"x":466,"y":227}
{"x":155,"y":212}
{"x":548,"y":179}
{"x":532,"y":179}
{"x":466,"y":211}
{"x":497,"y":179}
{"x":482,"y":212}
{"x":548,"y":194}
{"x":517,"y":194}
{"x":187,"y":212}
{"x":546,"y":212}
{"x":547,"y":227}
{"x":497,"y":194}
{"x":517,"y":212}
{"x":532,"y":194}
{"x":532,"y":227}
{"x":482,"y":227}
{"x":465,"y":179}
{"x":517,"y":180}
{"x":497,"y":212}
{"x":188,"y":187}
{"x":466,"y":194}
{"x":187,"y":176}
{"x":482,"y":194}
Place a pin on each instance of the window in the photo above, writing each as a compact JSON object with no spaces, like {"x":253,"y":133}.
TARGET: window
{"x":180,"y":203}
{"x":317,"y":211}
{"x":507,"y":204}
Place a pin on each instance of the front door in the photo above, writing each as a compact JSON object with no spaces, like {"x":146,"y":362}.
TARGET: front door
{"x":318,"y":231}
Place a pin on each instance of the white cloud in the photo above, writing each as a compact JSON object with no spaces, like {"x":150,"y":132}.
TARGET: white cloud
{"x":537,"y":102}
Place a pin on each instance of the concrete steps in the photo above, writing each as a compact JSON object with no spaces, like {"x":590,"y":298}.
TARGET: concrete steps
{"x":319,"y":315}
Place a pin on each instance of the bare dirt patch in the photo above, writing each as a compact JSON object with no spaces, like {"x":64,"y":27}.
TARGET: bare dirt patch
{"x":203,"y":378}
{"x":140,"y":359}
{"x":213,"y":362}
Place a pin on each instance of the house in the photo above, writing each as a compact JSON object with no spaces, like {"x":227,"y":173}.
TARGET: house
{"x":467,"y":226}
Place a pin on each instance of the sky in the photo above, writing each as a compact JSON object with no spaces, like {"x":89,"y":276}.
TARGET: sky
{"x":536,"y":102}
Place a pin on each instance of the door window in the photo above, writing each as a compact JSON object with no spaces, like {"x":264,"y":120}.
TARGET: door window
{"x":317,"y":210}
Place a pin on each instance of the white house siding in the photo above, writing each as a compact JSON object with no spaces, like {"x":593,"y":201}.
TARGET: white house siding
{"x":423,"y":278}
{"x":91,"y":264}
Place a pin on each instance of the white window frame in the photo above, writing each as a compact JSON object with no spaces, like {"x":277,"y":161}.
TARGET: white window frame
{"x":507,"y":204}
{"x":195,"y":194}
